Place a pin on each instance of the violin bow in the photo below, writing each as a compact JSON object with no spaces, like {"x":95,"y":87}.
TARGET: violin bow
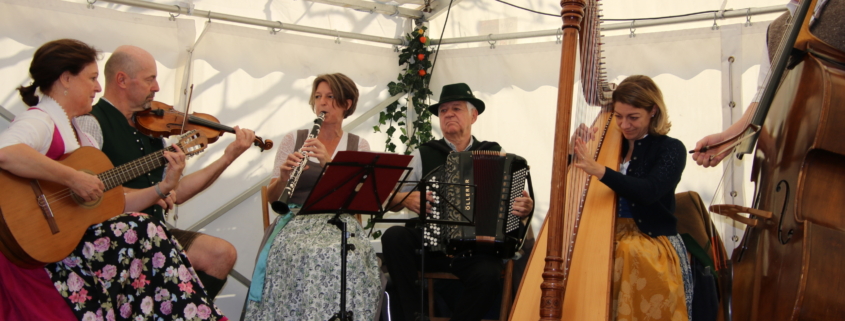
{"x":187,"y":108}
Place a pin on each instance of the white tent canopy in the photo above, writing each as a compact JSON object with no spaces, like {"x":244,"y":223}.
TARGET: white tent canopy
{"x":247,"y":76}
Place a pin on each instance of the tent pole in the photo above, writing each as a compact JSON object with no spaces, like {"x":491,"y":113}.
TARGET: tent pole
{"x":619,"y":26}
{"x":736,"y":13}
{"x":256,"y":22}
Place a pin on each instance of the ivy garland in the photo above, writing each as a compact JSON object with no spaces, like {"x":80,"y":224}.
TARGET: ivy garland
{"x":414,"y":81}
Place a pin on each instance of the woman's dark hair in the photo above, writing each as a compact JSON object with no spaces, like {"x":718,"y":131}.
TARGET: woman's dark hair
{"x":51,"y":60}
{"x":342,"y":88}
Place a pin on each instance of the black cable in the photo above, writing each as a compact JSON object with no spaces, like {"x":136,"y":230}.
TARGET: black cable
{"x":434,"y":62}
{"x":440,"y":41}
{"x":529,"y":10}
{"x":608,"y":19}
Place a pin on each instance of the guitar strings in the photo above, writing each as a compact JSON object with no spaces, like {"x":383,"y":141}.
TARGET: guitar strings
{"x":109,"y":177}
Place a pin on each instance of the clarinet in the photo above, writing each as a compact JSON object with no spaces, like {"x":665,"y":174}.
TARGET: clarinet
{"x":281,"y":206}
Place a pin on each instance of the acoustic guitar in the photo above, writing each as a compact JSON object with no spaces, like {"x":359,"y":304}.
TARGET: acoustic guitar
{"x":42,"y":222}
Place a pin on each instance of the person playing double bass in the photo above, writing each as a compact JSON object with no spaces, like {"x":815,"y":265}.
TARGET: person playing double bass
{"x":651,"y":272}
{"x":827,"y":26}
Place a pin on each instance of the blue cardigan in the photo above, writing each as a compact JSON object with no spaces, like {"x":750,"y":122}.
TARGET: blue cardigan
{"x":653,"y":174}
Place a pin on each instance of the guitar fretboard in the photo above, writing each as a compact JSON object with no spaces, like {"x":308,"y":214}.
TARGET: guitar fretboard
{"x":117,"y":176}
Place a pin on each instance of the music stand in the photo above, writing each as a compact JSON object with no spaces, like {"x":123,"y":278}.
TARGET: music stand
{"x":354,"y":182}
{"x":422,"y":220}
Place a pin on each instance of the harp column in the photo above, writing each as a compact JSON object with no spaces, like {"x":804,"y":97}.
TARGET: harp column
{"x":554,"y":284}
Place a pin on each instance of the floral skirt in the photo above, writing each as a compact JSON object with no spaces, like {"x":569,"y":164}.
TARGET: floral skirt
{"x":648,"y":276}
{"x":302,"y":280}
{"x":131,"y":268}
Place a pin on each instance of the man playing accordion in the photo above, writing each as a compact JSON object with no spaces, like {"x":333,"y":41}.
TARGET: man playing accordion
{"x":457,"y":110}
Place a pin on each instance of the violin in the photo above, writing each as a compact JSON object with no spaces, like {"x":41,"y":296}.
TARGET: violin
{"x":161,"y":120}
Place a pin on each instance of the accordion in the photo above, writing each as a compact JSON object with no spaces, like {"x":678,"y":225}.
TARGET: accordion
{"x":474,"y":194}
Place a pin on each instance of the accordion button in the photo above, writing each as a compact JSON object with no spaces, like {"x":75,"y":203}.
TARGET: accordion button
{"x":635,"y":158}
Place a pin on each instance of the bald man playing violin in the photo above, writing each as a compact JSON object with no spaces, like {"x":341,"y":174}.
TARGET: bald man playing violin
{"x":130,"y":87}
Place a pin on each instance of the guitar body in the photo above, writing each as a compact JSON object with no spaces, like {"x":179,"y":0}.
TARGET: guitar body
{"x":26,"y":237}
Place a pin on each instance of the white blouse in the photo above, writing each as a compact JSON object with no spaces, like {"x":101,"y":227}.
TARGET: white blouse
{"x":34,"y":128}
{"x":289,"y":142}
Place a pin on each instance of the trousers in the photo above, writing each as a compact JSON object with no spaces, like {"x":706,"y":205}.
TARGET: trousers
{"x":480,"y":274}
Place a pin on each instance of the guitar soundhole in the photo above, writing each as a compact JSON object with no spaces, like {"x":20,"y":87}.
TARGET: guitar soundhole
{"x":83,"y":203}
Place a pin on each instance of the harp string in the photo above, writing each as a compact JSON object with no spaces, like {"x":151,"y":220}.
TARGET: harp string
{"x":587,"y":108}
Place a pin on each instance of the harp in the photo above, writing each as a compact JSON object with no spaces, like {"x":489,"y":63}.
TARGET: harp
{"x":568,"y":275}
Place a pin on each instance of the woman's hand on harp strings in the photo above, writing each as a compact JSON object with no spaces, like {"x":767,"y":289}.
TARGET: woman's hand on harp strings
{"x":412,"y":202}
{"x":584,"y":160}
{"x":583,"y":132}
{"x":522,"y":206}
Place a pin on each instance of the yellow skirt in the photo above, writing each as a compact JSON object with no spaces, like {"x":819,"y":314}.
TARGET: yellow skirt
{"x":648,"y":282}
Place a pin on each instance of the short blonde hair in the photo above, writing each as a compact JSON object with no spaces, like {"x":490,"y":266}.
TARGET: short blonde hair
{"x":641,"y":92}
{"x":342,"y":87}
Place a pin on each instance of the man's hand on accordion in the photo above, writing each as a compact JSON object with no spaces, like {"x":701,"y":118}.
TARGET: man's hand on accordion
{"x":522,"y":206}
{"x":412,"y":202}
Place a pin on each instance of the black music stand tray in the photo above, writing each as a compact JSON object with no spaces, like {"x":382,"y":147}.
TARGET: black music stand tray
{"x":354,"y":182}
{"x":422,"y":220}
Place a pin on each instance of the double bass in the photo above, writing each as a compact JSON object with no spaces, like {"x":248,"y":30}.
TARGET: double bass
{"x":789,"y":262}
{"x":574,"y":249}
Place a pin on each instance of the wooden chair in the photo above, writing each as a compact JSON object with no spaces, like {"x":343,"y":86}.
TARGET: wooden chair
{"x":694,"y":219}
{"x":265,"y":211}
{"x":507,"y":289}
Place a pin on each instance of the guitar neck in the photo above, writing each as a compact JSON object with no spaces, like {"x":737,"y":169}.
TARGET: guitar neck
{"x":117,"y":176}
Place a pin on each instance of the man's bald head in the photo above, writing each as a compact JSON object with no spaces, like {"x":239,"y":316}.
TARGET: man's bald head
{"x":131,"y":79}
{"x":127,"y":59}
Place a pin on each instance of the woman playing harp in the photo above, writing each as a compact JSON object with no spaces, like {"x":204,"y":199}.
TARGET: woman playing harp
{"x":651,"y":273}
{"x":577,"y":239}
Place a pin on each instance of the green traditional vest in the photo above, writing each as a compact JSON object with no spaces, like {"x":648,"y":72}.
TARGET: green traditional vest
{"x":434,"y":153}
{"x":123,"y":143}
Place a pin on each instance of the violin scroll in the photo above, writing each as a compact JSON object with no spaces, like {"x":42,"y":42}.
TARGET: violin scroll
{"x":262,"y":143}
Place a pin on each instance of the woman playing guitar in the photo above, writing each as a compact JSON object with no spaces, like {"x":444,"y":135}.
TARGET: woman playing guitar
{"x":119,"y":267}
